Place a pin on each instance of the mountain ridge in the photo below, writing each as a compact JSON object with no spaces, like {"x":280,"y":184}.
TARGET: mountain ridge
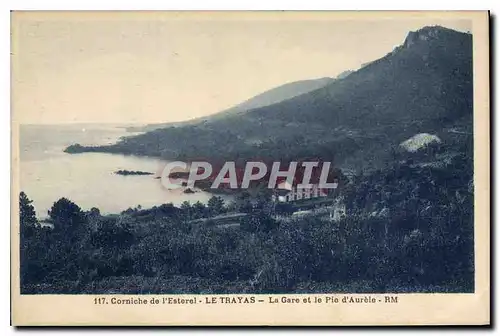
{"x":268,"y":97}
{"x":423,"y":85}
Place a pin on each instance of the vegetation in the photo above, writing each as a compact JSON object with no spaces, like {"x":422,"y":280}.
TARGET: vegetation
{"x":409,"y":224}
{"x":409,"y":229}
{"x":27,"y":217}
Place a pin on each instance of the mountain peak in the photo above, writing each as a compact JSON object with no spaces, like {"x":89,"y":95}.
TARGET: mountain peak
{"x":428,"y":33}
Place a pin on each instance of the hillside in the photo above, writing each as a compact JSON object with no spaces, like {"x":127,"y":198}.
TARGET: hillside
{"x":272,"y":96}
{"x":422,"y":86}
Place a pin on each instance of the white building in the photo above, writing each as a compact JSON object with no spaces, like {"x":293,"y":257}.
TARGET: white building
{"x":286,"y":192}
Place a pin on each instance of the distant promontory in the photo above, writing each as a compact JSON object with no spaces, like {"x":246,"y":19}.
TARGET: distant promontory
{"x":132,"y":172}
{"x":77,"y":148}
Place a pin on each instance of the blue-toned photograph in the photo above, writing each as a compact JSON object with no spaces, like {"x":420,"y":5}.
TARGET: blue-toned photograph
{"x":254,"y":156}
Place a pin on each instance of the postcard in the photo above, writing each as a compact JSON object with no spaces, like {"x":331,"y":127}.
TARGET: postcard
{"x":188,"y":168}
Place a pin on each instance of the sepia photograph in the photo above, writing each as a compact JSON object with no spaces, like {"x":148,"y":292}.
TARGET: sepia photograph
{"x":249,"y":159}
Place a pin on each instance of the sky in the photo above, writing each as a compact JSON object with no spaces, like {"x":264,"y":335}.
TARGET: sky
{"x":164,"y":67}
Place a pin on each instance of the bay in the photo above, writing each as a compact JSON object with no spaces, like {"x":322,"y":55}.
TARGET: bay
{"x":89,"y":179}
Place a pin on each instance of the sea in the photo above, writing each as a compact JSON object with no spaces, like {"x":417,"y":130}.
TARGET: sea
{"x":47,"y":173}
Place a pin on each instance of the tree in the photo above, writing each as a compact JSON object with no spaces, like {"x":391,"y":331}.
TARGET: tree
{"x":198,"y":209}
{"x":186,"y":209}
{"x":66,"y":214}
{"x":258,"y":222}
{"x":115,"y":232}
{"x":263,"y":199}
{"x":93,"y":219}
{"x":27,"y":215}
{"x":243,"y":202}
{"x":215,"y":205}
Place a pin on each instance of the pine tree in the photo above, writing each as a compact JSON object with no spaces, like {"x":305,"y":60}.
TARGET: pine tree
{"x":65,"y":214}
{"x":186,"y":209}
{"x":27,"y":215}
{"x":215,"y":205}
